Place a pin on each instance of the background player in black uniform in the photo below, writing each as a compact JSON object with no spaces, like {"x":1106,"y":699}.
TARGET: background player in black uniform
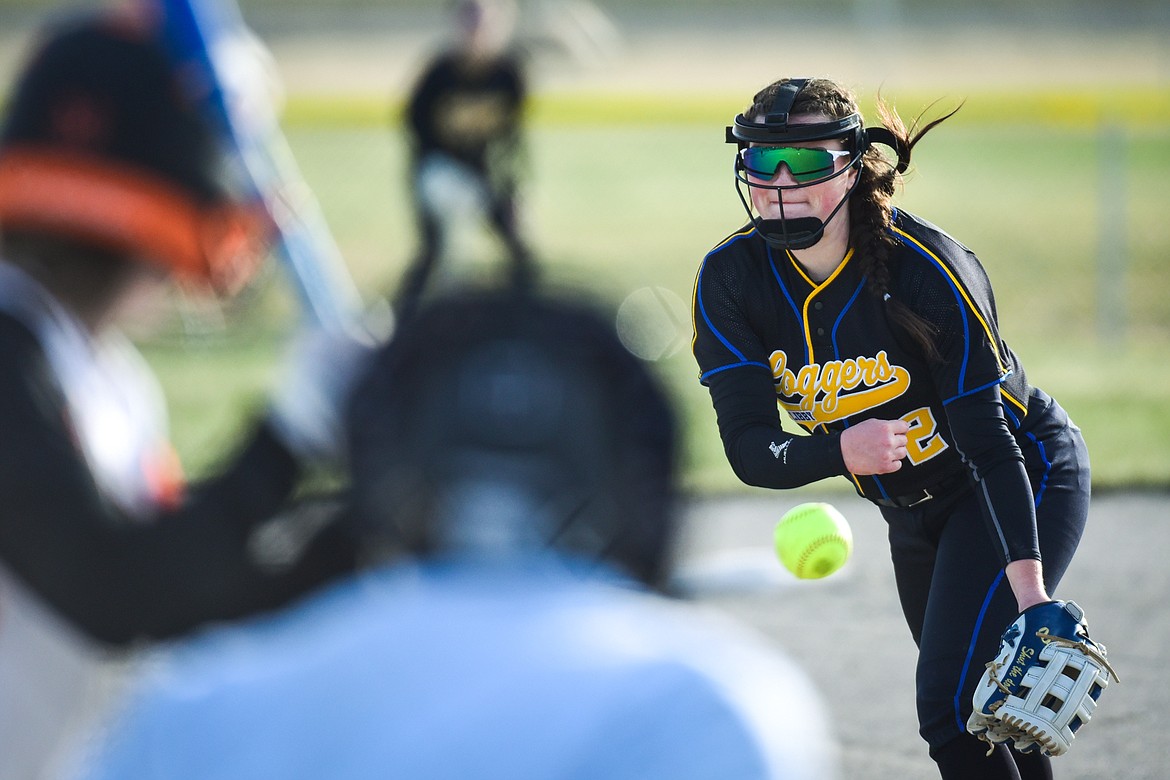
{"x":464,"y":121}
{"x":877,"y":333}
{"x":108,"y":188}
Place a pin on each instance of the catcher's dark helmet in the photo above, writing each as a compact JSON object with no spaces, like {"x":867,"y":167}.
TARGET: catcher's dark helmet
{"x":102,"y":144}
{"x":495,"y":422}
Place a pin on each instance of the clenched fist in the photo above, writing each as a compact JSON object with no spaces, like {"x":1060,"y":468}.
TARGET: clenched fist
{"x":874,"y":446}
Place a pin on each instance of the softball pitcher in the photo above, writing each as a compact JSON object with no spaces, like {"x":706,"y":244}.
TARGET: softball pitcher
{"x":876,"y":332}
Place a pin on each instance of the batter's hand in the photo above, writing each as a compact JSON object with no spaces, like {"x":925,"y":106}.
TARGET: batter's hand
{"x":308,"y":401}
{"x":874,"y":446}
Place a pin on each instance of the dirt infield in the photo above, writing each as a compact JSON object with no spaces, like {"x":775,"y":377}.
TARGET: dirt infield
{"x":848,"y":632}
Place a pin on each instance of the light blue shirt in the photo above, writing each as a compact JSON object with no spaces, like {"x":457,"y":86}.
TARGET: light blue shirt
{"x":534,"y":669}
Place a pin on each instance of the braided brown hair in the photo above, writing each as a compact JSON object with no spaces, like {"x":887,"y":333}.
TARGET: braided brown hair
{"x":870,"y":205}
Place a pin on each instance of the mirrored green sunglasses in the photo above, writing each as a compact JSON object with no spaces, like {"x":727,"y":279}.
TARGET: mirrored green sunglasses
{"x":806,"y":164}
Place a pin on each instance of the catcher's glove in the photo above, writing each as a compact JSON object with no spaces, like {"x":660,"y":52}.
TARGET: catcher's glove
{"x":1044,"y":683}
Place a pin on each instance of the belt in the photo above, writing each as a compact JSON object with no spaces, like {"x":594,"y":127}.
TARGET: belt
{"x":943,"y":488}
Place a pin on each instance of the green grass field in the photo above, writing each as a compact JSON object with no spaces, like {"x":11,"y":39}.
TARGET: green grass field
{"x":627,"y":193}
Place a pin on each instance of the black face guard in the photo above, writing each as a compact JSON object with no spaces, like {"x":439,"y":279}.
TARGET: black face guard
{"x":795,"y":232}
{"x":775,"y":130}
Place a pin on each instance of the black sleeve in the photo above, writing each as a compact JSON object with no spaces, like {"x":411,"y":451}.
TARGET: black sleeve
{"x":120,"y":579}
{"x":507,"y":148}
{"x":517,"y":90}
{"x":986,"y":444}
{"x":420,"y":106}
{"x":760,"y":452}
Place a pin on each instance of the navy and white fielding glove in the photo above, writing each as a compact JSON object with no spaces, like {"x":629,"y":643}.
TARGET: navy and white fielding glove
{"x":1044,"y":683}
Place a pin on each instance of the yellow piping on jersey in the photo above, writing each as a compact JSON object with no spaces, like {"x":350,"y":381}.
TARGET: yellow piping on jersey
{"x":817,"y":288}
{"x":1003,"y":368}
{"x":694,"y":305}
{"x":730,"y":238}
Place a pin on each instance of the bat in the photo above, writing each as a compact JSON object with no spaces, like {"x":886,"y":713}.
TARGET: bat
{"x":224,"y":62}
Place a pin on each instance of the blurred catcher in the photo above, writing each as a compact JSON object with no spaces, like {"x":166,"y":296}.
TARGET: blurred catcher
{"x":513,"y":480}
{"x":109,"y":190}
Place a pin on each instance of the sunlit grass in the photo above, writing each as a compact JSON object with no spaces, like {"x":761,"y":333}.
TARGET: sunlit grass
{"x":625,"y":194}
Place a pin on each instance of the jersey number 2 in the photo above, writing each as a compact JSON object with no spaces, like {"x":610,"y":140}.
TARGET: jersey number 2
{"x":923,"y":441}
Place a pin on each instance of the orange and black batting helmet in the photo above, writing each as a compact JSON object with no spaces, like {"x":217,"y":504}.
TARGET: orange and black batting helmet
{"x":101,"y":144}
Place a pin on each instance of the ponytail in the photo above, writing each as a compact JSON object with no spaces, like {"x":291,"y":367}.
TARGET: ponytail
{"x":871,"y":217}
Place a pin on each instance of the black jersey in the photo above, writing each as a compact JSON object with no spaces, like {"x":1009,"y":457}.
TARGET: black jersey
{"x":120,"y":579}
{"x":470,"y":112}
{"x":834,"y":358}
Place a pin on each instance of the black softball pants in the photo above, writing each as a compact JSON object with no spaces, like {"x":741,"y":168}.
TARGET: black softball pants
{"x":953,"y":590}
